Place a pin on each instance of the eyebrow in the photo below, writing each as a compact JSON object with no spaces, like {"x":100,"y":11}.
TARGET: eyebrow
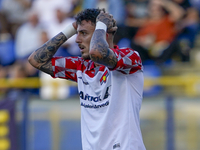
{"x":83,"y":30}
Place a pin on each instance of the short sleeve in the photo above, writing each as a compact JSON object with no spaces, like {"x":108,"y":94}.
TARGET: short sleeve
{"x":65,"y":67}
{"x":129,"y":61}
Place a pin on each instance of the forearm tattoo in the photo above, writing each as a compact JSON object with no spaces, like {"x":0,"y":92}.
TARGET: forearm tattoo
{"x":44,"y":54}
{"x":103,"y":54}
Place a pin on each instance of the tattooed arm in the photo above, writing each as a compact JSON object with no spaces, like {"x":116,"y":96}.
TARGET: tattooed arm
{"x":102,"y":41}
{"x":41,"y":58}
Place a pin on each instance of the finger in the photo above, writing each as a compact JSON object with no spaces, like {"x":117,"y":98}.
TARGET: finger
{"x":113,"y":29}
{"x":111,"y":16}
{"x":114,"y":22}
{"x":103,"y":10}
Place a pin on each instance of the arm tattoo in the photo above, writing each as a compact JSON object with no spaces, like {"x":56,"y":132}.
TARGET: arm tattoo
{"x":47,"y":68}
{"x":44,"y":54}
{"x":103,"y":55}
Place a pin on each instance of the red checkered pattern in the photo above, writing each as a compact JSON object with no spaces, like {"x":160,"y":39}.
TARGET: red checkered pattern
{"x":66,"y":67}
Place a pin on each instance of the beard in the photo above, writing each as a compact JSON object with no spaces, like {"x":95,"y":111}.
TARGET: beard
{"x":85,"y":56}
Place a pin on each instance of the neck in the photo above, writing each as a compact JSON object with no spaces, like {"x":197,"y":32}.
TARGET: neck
{"x":96,"y":65}
{"x":110,"y":41}
{"x":111,"y":45}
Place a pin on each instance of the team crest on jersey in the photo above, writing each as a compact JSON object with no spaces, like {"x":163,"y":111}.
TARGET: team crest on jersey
{"x":104,"y":77}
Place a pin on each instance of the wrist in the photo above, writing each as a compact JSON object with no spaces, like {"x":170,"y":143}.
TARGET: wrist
{"x":69,"y":31}
{"x":101,"y":25}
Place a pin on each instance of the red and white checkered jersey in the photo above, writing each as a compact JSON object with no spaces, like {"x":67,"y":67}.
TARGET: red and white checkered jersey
{"x":110,"y":99}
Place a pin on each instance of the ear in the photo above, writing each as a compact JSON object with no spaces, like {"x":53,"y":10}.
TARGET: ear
{"x":109,"y":36}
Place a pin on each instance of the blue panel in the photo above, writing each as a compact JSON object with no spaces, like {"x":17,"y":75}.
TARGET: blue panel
{"x":73,"y":91}
{"x":70,"y":135}
{"x":42,"y":136}
{"x":152,"y":71}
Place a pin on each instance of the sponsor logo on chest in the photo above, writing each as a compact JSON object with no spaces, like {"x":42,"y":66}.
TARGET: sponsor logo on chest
{"x":88,"y":97}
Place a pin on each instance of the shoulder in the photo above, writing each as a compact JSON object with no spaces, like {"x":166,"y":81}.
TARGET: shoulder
{"x":129,"y":60}
{"x":123,"y":50}
{"x":116,"y":48}
{"x":61,"y":59}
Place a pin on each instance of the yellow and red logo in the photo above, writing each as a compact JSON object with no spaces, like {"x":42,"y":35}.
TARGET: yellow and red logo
{"x":104,"y":77}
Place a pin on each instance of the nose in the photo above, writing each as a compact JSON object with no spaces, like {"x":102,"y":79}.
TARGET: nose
{"x":78,"y":39}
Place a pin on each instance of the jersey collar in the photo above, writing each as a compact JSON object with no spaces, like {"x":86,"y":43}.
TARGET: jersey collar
{"x":91,"y":65}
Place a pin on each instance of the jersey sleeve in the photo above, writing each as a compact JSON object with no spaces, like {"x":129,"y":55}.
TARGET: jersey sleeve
{"x":65,"y":67}
{"x":129,"y":61}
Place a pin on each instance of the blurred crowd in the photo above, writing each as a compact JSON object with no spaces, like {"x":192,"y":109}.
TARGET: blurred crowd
{"x":160,"y":30}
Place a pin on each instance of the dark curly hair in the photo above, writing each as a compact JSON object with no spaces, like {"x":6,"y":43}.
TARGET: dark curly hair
{"x":88,"y":15}
{"x":91,"y":14}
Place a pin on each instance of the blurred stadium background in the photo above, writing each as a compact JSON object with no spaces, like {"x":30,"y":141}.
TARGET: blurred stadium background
{"x":170,"y":116}
{"x":41,"y":113}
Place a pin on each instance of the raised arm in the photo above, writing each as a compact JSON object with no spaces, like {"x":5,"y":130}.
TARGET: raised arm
{"x":102,"y":41}
{"x":41,"y":58}
{"x":176,"y":12}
